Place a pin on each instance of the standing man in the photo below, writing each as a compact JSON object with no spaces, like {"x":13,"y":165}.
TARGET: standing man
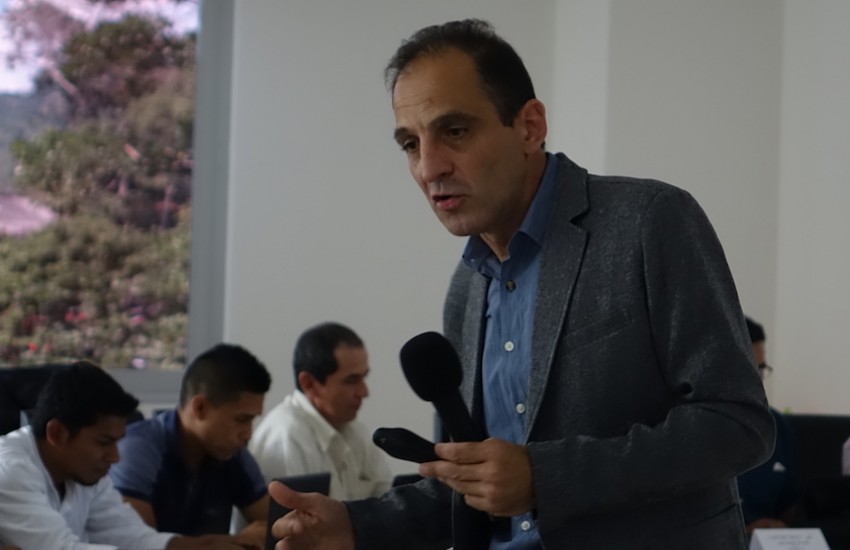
{"x":54,"y":491}
{"x":602,"y":341}
{"x":184,"y":470}
{"x":315,"y":428}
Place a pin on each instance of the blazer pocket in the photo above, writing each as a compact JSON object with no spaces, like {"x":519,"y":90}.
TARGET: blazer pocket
{"x":587,"y":334}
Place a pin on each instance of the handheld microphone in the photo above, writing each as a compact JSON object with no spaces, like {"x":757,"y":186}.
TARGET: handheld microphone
{"x":432,"y":368}
{"x":405,"y":445}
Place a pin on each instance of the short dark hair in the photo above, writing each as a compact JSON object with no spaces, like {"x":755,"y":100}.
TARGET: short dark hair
{"x":756,"y":331}
{"x":314,"y":350}
{"x":79,"y":395}
{"x":503,"y":75}
{"x":222,"y":373}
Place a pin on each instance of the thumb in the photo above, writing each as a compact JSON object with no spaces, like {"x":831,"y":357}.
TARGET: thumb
{"x":288,"y":498}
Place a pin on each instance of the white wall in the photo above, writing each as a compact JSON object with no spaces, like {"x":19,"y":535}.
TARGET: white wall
{"x":694,"y":100}
{"x":813,"y":298}
{"x":743,"y":104}
{"x":578,"y":108}
{"x":325,"y":221}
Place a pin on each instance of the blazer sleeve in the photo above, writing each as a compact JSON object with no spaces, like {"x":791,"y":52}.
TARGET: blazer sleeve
{"x":717,"y":423}
{"x":413,"y":517}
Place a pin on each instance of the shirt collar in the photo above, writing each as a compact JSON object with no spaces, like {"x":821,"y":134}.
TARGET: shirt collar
{"x":533,"y":225}
{"x":325,"y":433}
{"x":31,"y":446}
{"x":171,"y":426}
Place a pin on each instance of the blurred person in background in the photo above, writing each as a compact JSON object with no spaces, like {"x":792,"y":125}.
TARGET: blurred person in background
{"x":54,"y":489}
{"x":315,"y":428}
{"x":185,"y":469}
{"x":770,"y":494}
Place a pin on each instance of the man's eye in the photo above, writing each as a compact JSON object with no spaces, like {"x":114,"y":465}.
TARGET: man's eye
{"x":408,"y":145}
{"x":456,"y":131}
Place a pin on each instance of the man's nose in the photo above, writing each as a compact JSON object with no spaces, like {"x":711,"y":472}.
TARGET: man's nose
{"x":434,"y":161}
{"x":245,"y":435}
{"x":113,"y":455}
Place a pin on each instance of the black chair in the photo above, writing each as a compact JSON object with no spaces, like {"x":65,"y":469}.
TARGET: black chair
{"x":818,"y":443}
{"x":19,"y":389}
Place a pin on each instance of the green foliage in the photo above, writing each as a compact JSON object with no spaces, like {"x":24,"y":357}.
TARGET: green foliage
{"x":121,"y":61}
{"x":75,"y":170}
{"x":81,"y":288}
{"x":109,"y":280}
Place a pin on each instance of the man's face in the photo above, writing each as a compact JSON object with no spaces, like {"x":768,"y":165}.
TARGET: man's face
{"x":340,"y":397}
{"x":759,"y":355}
{"x":225,"y":429}
{"x":758,"y":352}
{"x":473,"y":169}
{"x":88,"y":455}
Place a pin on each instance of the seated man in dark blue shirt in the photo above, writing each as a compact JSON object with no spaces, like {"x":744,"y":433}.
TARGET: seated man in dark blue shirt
{"x":769,"y":493}
{"x":185,"y":469}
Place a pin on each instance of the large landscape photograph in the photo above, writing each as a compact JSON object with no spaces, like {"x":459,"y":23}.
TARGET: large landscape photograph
{"x":96,"y":118}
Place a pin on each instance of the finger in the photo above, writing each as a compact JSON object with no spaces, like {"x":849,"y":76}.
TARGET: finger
{"x":444,"y":470}
{"x":441,"y":469}
{"x":288,"y":498}
{"x":292,"y":524}
{"x":465,"y":488}
{"x":461,"y":453}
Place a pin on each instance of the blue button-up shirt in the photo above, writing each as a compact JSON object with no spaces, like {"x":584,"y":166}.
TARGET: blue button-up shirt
{"x":507,"y":344}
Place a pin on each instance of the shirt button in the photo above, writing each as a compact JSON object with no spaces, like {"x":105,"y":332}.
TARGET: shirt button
{"x":525,"y":525}
{"x":510,"y":285}
{"x":509,"y":346}
{"x":520,"y":408}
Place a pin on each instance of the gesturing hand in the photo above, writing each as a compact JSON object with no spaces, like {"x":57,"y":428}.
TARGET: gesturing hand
{"x":316,"y":522}
{"x":494,"y":476}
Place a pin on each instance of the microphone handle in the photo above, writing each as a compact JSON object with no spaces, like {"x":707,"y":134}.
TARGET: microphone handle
{"x":456,"y":418}
{"x":404,"y":445}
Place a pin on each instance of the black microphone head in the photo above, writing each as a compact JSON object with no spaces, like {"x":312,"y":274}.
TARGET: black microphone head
{"x":431,"y":366}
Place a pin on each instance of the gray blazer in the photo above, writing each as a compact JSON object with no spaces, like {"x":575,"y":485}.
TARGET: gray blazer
{"x":643,"y":402}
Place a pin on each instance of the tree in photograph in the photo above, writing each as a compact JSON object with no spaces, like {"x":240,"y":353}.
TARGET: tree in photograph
{"x":109,"y":280}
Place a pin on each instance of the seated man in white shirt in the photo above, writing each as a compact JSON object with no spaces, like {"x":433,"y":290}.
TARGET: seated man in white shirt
{"x":54,"y":491}
{"x":314,"y":429}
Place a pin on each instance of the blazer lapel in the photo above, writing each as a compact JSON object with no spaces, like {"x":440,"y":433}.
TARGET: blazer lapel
{"x":563,"y":251}
{"x":471,"y":528}
{"x":473,"y":346}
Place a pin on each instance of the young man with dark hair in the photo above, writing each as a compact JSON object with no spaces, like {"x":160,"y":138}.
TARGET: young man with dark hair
{"x":184,"y":470}
{"x":314,"y":429}
{"x":54,"y":491}
{"x":601,"y":339}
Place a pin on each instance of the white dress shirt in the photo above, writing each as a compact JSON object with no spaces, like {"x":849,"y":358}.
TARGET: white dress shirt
{"x":34,"y":517}
{"x":295,"y":439}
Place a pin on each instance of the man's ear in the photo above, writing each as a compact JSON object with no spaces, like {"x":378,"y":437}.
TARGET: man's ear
{"x":307,"y":382}
{"x":531,"y":123}
{"x":56,"y":432}
{"x":199,"y":406}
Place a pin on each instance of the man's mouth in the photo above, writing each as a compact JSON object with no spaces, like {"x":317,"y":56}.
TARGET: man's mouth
{"x":446,"y":202}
